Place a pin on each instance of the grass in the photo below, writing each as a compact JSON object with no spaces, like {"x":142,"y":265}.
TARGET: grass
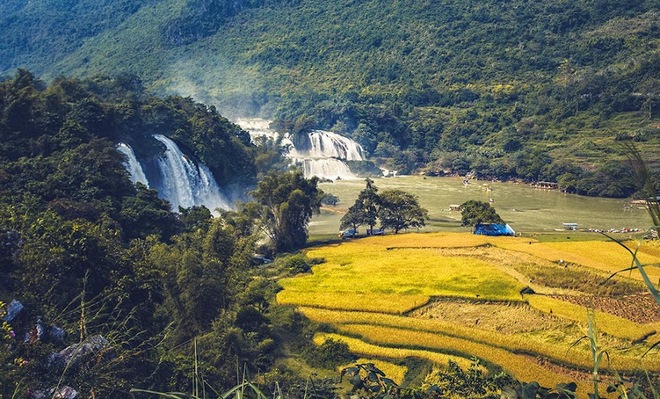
{"x":370,"y":275}
{"x":607,"y":323}
{"x":519,"y":365}
{"x":442,"y":330}
{"x":367,"y":288}
{"x":370,"y":350}
{"x":605,"y":256}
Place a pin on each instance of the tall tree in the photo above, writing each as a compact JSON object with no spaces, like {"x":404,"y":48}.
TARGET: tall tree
{"x":400,"y":210}
{"x":285,"y":204}
{"x":365,"y":208}
{"x":476,"y":212}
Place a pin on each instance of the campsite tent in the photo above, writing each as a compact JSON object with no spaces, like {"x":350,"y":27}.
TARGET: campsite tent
{"x":492,"y":229}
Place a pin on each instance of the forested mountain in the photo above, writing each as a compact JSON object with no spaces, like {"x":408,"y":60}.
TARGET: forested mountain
{"x":516,"y":89}
{"x":102,"y":287}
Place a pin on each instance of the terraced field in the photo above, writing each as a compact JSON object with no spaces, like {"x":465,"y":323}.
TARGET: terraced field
{"x":441,"y":296}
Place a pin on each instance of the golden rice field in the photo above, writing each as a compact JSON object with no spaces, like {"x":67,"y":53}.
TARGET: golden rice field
{"x":367,"y":290}
{"x":606,"y":256}
{"x":364,"y":349}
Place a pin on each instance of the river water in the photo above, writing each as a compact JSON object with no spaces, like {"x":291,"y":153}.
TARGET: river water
{"x":521,"y":206}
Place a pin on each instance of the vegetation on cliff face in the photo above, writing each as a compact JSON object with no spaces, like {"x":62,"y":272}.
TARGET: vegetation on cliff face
{"x":528,"y":90}
{"x":104,"y":265}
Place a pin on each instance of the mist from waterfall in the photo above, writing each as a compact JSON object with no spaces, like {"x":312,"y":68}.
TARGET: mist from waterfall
{"x":329,"y":168}
{"x":323,"y":158}
{"x":132,"y":165}
{"x":185,"y":183}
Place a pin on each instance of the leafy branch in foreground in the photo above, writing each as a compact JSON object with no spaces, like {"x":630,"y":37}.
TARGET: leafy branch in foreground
{"x":637,"y":265}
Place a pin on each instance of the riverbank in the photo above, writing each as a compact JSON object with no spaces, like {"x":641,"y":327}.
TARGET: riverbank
{"x":525,"y":208}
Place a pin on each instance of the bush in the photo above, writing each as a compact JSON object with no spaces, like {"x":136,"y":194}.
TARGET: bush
{"x":330,"y":355}
{"x":296,"y":264}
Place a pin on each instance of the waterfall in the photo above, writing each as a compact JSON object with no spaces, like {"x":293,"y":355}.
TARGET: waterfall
{"x":184,"y":183}
{"x":132,"y":165}
{"x":323,"y":155}
{"x":324,"y":144}
{"x":329,"y":168}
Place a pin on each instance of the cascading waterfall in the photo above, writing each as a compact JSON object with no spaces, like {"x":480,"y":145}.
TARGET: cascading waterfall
{"x":323,"y":158}
{"x":184,"y":183}
{"x":324,"y":144}
{"x":326,"y":168}
{"x":132,"y":165}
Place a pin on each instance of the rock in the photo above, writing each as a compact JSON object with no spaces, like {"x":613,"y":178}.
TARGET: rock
{"x":65,"y":392}
{"x":13,"y":309}
{"x":73,"y":355}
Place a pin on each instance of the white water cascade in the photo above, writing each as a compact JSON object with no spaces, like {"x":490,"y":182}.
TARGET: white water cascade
{"x":132,"y":165}
{"x":185,"y":183}
{"x":322,"y":158}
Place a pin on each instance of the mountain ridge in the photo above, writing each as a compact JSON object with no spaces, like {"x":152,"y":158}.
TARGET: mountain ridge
{"x":423,"y":85}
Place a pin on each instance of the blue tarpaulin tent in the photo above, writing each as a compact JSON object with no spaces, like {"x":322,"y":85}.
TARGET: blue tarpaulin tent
{"x":492,"y":229}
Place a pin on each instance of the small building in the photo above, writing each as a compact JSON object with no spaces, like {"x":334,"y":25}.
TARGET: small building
{"x":494,"y":229}
{"x":548,"y":185}
{"x":570,"y":226}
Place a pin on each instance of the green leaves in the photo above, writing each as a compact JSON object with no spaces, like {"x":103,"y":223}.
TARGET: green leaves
{"x":285,"y":204}
{"x":400,"y":210}
{"x":476,"y":212}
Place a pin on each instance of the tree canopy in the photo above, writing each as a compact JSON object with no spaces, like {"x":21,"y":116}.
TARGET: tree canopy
{"x":475,"y":212}
{"x":364,"y":210}
{"x":396,"y":210}
{"x":507,"y":90}
{"x":400,"y":210}
{"x":107,"y":264}
{"x":285,"y":203}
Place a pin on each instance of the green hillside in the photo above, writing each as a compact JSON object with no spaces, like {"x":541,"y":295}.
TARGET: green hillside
{"x":516,"y":89}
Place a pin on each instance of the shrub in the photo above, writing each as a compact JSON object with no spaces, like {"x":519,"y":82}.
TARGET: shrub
{"x":330,"y":354}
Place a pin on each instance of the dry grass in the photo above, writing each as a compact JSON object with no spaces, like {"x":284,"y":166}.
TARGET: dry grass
{"x":606,"y":256}
{"x":559,"y":350}
{"x":358,"y":274}
{"x":503,"y":318}
{"x":346,"y":300}
{"x":516,"y":365}
{"x":609,"y":324}
{"x":366,"y":285}
{"x":370,"y":350}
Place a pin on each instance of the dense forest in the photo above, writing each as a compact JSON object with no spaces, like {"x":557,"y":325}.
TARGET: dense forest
{"x":538,"y":91}
{"x":104,"y":288}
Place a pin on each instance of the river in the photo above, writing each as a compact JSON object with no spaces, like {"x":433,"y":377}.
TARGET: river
{"x":521,"y":206}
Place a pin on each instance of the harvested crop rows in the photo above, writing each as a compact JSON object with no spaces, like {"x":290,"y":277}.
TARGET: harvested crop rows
{"x":448,"y":295}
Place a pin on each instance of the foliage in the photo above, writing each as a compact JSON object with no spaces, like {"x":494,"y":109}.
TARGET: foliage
{"x":284,"y":206}
{"x":330,"y":199}
{"x":89,"y":253}
{"x":329,"y":355}
{"x":400,"y":210}
{"x":296,"y":264}
{"x":365,"y":208}
{"x":370,"y":380}
{"x":526,"y":91}
{"x":475,"y":212}
{"x":470,"y":383}
{"x":396,"y":210}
